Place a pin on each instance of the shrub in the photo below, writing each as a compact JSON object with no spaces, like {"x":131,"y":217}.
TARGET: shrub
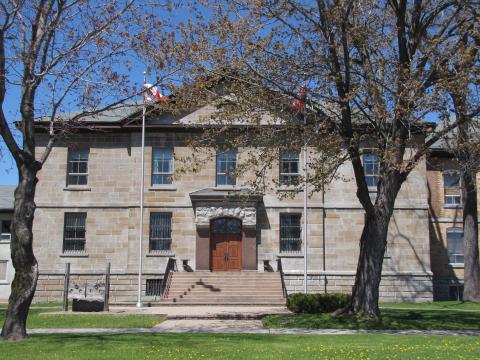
{"x":317,"y":303}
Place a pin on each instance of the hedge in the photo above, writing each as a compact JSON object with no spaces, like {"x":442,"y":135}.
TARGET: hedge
{"x":317,"y":303}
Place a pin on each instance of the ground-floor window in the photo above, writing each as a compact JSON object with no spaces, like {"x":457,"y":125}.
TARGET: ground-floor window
{"x":5,"y":232}
{"x":153,"y":287}
{"x":3,"y":270}
{"x":160,"y":232}
{"x":455,"y":245}
{"x":74,"y":232}
{"x":290,"y":233}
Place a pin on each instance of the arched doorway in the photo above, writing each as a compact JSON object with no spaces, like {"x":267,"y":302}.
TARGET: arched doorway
{"x":226,"y":244}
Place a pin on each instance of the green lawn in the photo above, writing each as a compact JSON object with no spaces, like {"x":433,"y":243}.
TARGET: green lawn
{"x":401,"y":319}
{"x":448,"y":305}
{"x":232,"y":347}
{"x":41,"y":319}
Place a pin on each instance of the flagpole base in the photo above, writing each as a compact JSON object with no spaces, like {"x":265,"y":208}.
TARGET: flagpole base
{"x":139,"y":305}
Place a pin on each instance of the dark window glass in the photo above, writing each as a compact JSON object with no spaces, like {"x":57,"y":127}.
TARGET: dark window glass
{"x":226,"y":226}
{"x":226,"y":165}
{"x":77,"y":167}
{"x":6,"y":226}
{"x":290,"y":233}
{"x":160,"y":232}
{"x":455,"y":245}
{"x":289,"y":168}
{"x":452,"y":189}
{"x":371,"y":167}
{"x":162,"y":166}
{"x":74,"y":232}
{"x":153,"y":287}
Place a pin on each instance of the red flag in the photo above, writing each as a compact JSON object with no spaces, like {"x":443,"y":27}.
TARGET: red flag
{"x":151,"y":92}
{"x":300,"y":103}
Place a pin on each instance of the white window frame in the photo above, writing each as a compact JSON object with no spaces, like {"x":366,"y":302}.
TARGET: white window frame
{"x":371,"y":175}
{"x":169,"y":174}
{"x":454,"y":204}
{"x":71,"y":160}
{"x":289,"y":175}
{"x":455,"y":230}
{"x":230,"y":177}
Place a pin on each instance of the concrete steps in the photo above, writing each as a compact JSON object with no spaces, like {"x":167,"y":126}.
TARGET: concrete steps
{"x":225,"y":288}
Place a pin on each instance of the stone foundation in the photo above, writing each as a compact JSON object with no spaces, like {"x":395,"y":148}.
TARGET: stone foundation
{"x":393,"y":288}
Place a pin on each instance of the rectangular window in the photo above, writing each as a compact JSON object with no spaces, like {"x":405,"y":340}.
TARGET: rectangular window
{"x":153,"y":287}
{"x":371,"y":167}
{"x":162,"y":166}
{"x":74,"y":232}
{"x":226,"y":165}
{"x":77,"y":167}
{"x":290,"y":233}
{"x":455,"y":245}
{"x":160,"y":232}
{"x":452,"y":189}
{"x":289,"y":168}
{"x":3,"y":270}
{"x":5,"y":233}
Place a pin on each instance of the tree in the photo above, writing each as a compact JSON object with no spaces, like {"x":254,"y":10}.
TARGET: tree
{"x":371,"y":68}
{"x":62,"y":55}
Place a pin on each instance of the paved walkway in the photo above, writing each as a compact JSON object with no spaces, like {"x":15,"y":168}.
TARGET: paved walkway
{"x":241,"y":327}
{"x":204,"y":312}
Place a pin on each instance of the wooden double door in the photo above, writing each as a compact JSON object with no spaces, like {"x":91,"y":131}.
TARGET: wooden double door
{"x":226,"y":244}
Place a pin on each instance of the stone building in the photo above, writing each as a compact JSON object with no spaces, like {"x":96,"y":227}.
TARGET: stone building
{"x":88,"y":215}
{"x":6,"y":213}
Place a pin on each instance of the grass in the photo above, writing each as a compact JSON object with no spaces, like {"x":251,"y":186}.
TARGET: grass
{"x":41,"y":319}
{"x":232,"y":347}
{"x":432,"y":316}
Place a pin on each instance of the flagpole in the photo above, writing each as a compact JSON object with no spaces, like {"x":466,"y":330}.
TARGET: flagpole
{"x":142,"y":185}
{"x":305,"y":200}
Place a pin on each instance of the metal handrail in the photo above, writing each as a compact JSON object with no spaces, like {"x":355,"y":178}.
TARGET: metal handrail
{"x":167,"y":278}
{"x":280,"y":270}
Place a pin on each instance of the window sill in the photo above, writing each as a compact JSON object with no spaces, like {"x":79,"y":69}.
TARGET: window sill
{"x":4,"y":282}
{"x":282,"y":188}
{"x":452,"y":206}
{"x":79,"y":254}
{"x":290,"y":255}
{"x":160,"y":254}
{"x":225,"y":187}
{"x":77,"y":188}
{"x":456,"y":265}
{"x":168,"y":187}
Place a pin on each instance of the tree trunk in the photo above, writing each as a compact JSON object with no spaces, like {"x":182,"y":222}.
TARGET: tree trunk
{"x":24,"y":262}
{"x":471,"y":290}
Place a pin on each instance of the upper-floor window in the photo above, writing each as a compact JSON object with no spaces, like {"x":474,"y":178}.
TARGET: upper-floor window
{"x":5,"y":233}
{"x":452,"y":189}
{"x":74,"y":232}
{"x":289,"y":168}
{"x":290,"y":233}
{"x":371,"y":167}
{"x":455,"y":245}
{"x":77,"y":167}
{"x":226,"y":165}
{"x":160,"y":232}
{"x":162,"y":166}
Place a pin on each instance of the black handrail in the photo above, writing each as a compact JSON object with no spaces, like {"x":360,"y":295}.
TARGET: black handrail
{"x":171,"y":267}
{"x":280,"y":270}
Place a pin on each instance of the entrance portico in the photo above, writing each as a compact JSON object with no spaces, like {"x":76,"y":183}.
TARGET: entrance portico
{"x":226,"y":222}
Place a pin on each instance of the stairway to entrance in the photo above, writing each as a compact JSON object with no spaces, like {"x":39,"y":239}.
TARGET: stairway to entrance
{"x":225,"y":288}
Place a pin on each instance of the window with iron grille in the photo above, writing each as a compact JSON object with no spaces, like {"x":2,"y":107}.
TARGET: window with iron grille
{"x":226,"y":165}
{"x":452,"y":188}
{"x":77,"y":167}
{"x":455,"y":245}
{"x":153,"y":287}
{"x":289,"y":168}
{"x":371,"y":167}
{"x":290,"y":233}
{"x":5,"y":233}
{"x":162,"y":166}
{"x":3,"y":270}
{"x":74,"y":232}
{"x":160,"y":232}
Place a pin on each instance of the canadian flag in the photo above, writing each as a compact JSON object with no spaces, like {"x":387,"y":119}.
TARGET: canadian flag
{"x":300,"y":103}
{"x":151,"y":93}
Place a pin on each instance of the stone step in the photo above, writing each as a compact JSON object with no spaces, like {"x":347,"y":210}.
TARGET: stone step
{"x":223,"y":302}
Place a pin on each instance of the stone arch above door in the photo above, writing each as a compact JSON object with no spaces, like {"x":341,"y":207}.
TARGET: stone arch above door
{"x":204,"y":214}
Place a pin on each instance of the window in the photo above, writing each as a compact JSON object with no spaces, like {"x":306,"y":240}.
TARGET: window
{"x":153,"y":287}
{"x":3,"y":270}
{"x":77,"y":167}
{"x":226,"y":164}
{"x":5,"y":233}
{"x":74,"y":232}
{"x":455,"y":245}
{"x":452,"y":188}
{"x":162,"y":166}
{"x":290,"y":233}
{"x":371,"y":167}
{"x":289,"y":168}
{"x":160,"y":232}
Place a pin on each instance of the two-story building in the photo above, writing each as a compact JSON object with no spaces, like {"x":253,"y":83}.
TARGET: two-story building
{"x":88,"y":214}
